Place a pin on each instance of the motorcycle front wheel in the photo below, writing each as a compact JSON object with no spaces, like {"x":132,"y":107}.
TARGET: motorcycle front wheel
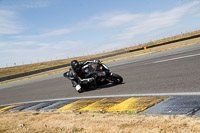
{"x":117,"y":79}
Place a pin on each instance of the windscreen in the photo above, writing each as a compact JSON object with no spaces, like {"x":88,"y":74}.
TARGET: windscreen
{"x":92,"y":67}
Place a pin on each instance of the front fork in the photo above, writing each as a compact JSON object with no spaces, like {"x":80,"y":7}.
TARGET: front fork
{"x":109,"y":77}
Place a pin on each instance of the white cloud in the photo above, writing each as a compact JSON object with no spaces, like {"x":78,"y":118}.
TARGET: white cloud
{"x":18,"y":46}
{"x":109,"y":20}
{"x":197,"y":15}
{"x":68,"y":44}
{"x":127,"y":25}
{"x":34,"y":51}
{"x":57,"y":32}
{"x":113,"y":19}
{"x":9,"y":23}
{"x":9,"y":19}
{"x":154,"y":21}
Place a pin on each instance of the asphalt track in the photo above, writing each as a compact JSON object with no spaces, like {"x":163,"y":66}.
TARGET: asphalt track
{"x":171,"y":72}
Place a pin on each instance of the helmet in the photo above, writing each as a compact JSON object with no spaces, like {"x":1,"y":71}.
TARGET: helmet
{"x":75,"y":65}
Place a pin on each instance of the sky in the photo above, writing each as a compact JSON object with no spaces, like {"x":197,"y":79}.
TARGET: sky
{"x":34,"y":31}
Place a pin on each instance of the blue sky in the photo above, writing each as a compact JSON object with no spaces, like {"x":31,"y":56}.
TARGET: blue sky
{"x":42,"y":30}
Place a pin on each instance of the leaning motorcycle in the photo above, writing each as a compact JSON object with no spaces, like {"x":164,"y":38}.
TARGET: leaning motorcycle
{"x":99,"y":72}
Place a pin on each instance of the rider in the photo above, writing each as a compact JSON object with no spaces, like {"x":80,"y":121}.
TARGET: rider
{"x":77,"y":74}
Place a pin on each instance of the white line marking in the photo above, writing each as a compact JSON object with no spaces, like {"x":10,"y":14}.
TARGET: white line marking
{"x":176,"y":58}
{"x":110,"y":96}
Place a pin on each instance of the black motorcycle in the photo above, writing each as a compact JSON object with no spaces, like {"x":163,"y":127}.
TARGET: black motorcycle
{"x":97,"y":71}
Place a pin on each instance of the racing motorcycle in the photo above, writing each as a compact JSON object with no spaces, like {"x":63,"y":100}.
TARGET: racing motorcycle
{"x":97,"y":71}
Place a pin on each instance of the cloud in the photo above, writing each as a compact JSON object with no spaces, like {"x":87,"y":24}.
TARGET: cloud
{"x":109,"y":20}
{"x":126,"y":25}
{"x":197,"y":14}
{"x":57,"y":32}
{"x":18,"y":46}
{"x":69,"y":44}
{"x":9,"y":20}
{"x":154,"y":21}
{"x":34,"y":51}
{"x":114,"y":19}
{"x":9,"y":23}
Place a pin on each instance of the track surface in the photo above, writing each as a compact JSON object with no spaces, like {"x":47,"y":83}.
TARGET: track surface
{"x":171,"y":71}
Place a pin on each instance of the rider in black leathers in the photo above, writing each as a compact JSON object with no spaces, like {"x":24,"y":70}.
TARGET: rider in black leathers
{"x":77,"y":74}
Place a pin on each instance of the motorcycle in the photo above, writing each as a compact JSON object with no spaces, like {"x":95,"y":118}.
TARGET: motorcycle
{"x":99,"y":72}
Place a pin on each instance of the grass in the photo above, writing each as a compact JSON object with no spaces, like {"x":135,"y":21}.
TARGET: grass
{"x":36,"y":113}
{"x":93,"y":121}
{"x":30,"y":67}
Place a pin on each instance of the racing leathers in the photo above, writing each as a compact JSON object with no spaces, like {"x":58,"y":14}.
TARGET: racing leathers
{"x":77,"y":76}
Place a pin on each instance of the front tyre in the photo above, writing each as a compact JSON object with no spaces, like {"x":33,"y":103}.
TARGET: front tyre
{"x":117,"y":79}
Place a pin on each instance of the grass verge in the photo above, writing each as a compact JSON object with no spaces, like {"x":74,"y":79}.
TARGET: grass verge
{"x":94,"y":121}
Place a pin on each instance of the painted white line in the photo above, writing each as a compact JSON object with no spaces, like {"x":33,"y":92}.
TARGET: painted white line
{"x":110,"y":96}
{"x":176,"y":58}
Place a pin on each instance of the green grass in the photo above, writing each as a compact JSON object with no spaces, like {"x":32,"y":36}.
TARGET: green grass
{"x":37,"y":113}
